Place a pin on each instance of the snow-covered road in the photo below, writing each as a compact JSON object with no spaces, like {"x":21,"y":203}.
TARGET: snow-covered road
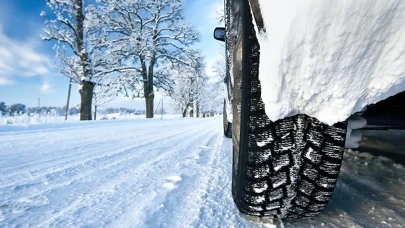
{"x":161,"y":173}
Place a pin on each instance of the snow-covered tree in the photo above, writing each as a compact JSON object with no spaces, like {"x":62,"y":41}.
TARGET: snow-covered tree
{"x":212,"y":96}
{"x":17,"y":109}
{"x":187,"y":88}
{"x":76,"y":31}
{"x":147,"y":34}
{"x":81,"y":46}
{"x":3,"y":108}
{"x":102,"y":95}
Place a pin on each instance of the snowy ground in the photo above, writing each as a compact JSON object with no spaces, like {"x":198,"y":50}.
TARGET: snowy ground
{"x":161,"y":173}
{"x":40,"y":119}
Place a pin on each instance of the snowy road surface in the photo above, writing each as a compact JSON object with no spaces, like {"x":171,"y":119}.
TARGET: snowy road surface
{"x":162,"y":173}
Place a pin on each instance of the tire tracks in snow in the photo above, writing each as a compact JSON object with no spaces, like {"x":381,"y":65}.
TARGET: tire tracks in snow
{"x":73,"y":174}
{"x":78,"y":159}
{"x":146,"y":212}
{"x":83,"y":150}
{"x":122,"y":175}
{"x":204,"y":191}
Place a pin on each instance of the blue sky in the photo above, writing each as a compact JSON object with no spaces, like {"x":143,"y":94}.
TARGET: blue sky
{"x":27,"y":70}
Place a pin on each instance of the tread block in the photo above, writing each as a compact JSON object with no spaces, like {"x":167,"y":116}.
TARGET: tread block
{"x":313,"y":155}
{"x":332,"y":151}
{"x":268,"y":213}
{"x":256,"y":187}
{"x":276,"y":194}
{"x":330,"y":168}
{"x":315,"y":207}
{"x":258,"y":172}
{"x":302,"y":201}
{"x":335,"y":133}
{"x":254,"y":200}
{"x":297,"y":210}
{"x":322,"y":195}
{"x":336,"y":130}
{"x":279,"y":179}
{"x":283,"y":145}
{"x":310,"y":172}
{"x":281,"y":162}
{"x":326,"y":182}
{"x":315,"y":137}
{"x":258,"y":157}
{"x":264,"y":138}
{"x":306,"y":187}
{"x":272,"y":206}
{"x":259,"y":122}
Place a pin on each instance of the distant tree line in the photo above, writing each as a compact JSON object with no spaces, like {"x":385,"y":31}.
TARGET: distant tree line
{"x":21,"y":109}
{"x":14,"y":109}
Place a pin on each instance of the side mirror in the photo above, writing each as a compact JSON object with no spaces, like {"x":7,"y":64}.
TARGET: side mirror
{"x":220,"y":34}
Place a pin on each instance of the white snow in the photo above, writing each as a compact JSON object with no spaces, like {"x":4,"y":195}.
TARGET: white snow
{"x":329,"y":59}
{"x":32,"y":119}
{"x":161,"y":173}
{"x":261,"y":143}
{"x":121,"y":173}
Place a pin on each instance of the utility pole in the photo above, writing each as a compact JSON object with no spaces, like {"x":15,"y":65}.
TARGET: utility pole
{"x":68,"y":99}
{"x":39,"y":102}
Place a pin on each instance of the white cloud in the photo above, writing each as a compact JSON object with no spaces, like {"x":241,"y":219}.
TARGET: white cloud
{"x":21,"y":59}
{"x":5,"y":82}
{"x":46,"y":87}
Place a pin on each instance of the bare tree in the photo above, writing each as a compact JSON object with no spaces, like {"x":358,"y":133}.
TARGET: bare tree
{"x":146,"y":34}
{"x":76,"y":39}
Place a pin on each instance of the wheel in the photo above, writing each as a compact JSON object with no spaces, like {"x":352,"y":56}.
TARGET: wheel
{"x":226,"y":123}
{"x":282,"y":169}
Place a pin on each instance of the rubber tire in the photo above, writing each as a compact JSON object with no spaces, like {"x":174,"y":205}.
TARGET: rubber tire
{"x":283,"y":169}
{"x":226,"y":124}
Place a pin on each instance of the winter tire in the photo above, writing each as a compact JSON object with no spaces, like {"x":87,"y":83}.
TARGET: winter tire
{"x":282,"y":169}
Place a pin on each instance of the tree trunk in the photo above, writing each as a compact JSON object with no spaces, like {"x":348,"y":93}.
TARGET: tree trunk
{"x":86,"y":95}
{"x":149,"y":106}
{"x":197,"y":110}
{"x":191,"y":113}
{"x":86,"y":92}
{"x":148,"y":85}
{"x":184,"y":113}
{"x":95,"y":112}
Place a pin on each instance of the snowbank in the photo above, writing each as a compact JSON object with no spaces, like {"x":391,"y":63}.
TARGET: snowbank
{"x":35,"y":119}
{"x":40,"y":119}
{"x":329,"y":58}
